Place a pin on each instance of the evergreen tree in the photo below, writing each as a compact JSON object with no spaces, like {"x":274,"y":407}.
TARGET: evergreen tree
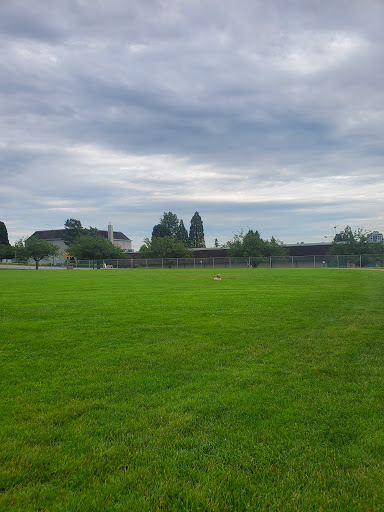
{"x":196,"y":232}
{"x":160,"y":231}
{"x":73,"y":229}
{"x":182,"y":234}
{"x":171,"y":223}
{"x":3,"y":234}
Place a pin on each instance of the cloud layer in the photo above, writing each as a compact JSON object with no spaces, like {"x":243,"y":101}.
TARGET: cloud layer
{"x":255,"y":113}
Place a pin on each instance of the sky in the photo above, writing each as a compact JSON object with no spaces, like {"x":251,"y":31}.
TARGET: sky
{"x":260,"y":114}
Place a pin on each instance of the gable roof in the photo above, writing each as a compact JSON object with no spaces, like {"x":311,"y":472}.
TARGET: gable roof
{"x":117,"y":235}
{"x":57,"y":234}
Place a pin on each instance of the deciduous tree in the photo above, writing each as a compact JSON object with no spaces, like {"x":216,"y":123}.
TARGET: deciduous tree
{"x":6,"y":251}
{"x":251,"y":244}
{"x":355,"y":242}
{"x":88,"y":247}
{"x":35,"y":249}
{"x":164,"y":247}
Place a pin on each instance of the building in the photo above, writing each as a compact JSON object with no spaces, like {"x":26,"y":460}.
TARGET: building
{"x":55,"y":236}
{"x":375,"y":237}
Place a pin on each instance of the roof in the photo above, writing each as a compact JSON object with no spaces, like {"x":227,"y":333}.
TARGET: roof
{"x":57,"y":234}
{"x":49,"y":234}
{"x":117,"y":235}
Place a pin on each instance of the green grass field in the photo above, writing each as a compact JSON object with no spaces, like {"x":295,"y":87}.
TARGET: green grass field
{"x":150,"y":390}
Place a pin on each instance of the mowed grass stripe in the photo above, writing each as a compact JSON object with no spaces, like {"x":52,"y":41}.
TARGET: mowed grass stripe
{"x":166,"y":390}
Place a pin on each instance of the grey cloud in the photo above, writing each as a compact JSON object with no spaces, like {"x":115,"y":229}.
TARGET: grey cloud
{"x":270,"y":92}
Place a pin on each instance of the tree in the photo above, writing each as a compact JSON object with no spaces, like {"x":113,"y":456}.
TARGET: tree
{"x":196,"y":231}
{"x":91,"y":231}
{"x":252,"y":245}
{"x":159,"y":231}
{"x":350,"y":242}
{"x":182,"y":233}
{"x":6,"y":251}
{"x":171,"y":223}
{"x":276,"y":247}
{"x":73,"y":229}
{"x":216,"y":244}
{"x":35,"y":249}
{"x":89,"y":247}
{"x":164,"y":247}
{"x":20,"y":252}
{"x":3,"y":234}
{"x":249,"y":244}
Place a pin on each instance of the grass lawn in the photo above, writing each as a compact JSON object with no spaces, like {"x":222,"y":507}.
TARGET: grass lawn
{"x":148,"y":390}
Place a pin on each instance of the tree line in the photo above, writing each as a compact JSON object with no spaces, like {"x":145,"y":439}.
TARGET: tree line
{"x":170,"y":239}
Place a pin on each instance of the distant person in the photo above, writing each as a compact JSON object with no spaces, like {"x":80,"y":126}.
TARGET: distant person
{"x":217,"y":278}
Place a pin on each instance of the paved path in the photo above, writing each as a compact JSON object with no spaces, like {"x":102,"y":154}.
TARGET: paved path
{"x":30,"y":267}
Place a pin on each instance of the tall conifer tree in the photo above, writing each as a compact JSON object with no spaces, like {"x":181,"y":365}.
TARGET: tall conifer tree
{"x":182,"y":234}
{"x":3,"y":234}
{"x":196,"y":232}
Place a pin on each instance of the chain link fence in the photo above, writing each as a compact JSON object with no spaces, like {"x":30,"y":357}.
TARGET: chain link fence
{"x":324,"y":261}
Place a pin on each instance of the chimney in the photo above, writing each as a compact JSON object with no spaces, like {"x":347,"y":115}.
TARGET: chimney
{"x":110,"y":232}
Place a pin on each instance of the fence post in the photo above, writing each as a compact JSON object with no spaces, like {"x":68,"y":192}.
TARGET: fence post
{"x":194,"y":262}
{"x":117,"y":263}
{"x":314,"y":261}
{"x":146,"y":263}
{"x":292,"y":262}
{"x":360,"y":260}
{"x":131,"y":262}
{"x":162,"y":262}
{"x":213,"y":262}
{"x":177,"y":262}
{"x":270,"y":262}
{"x":337,"y":258}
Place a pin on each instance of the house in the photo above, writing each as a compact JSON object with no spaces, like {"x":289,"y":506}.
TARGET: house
{"x":375,"y":237}
{"x":55,"y":236}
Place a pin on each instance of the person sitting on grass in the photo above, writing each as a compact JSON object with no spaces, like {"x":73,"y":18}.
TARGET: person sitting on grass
{"x":217,"y":278}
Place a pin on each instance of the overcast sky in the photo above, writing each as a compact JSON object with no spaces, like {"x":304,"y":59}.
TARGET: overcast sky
{"x":262,"y":114}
